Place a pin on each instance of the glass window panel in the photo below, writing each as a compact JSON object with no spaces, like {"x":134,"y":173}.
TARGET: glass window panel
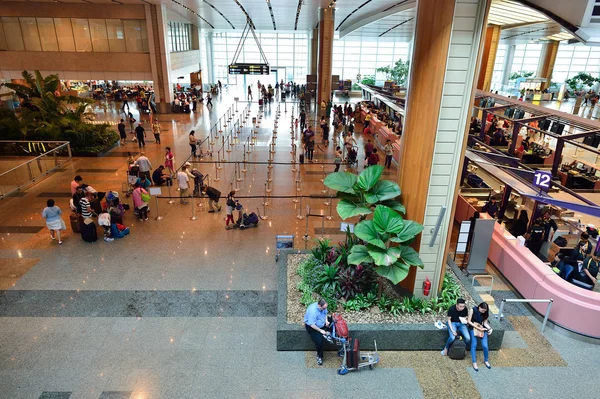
{"x":116,"y":36}
{"x":133,"y":35}
{"x":3,"y":45}
{"x":31,"y":37}
{"x":47,"y":34}
{"x":99,"y":35}
{"x":12,"y":31}
{"x":64,"y":34}
{"x":81,"y":32}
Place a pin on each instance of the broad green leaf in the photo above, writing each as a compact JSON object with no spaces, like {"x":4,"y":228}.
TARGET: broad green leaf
{"x":366,"y":231}
{"x":387,"y":220}
{"x":395,"y":272}
{"x":410,"y":230}
{"x":369,"y":177}
{"x":384,"y":257}
{"x":350,"y":197}
{"x":383,"y":190}
{"x":341,"y":181}
{"x":359,"y":254}
{"x":410,"y":256}
{"x":395,"y":205}
{"x":347,"y":209}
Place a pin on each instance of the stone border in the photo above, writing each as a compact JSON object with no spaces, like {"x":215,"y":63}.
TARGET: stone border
{"x":293,"y":337}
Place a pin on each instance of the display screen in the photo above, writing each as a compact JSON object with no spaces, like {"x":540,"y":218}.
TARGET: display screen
{"x":249,"y":69}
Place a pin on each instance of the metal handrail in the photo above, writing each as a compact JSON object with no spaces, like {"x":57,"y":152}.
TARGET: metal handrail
{"x":483,"y":287}
{"x":39,"y":156}
{"x":499,"y":316}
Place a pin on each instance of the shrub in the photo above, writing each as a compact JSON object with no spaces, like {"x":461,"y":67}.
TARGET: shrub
{"x":328,"y":280}
{"x":329,"y":295}
{"x":352,"y":281}
{"x":352,"y":305}
{"x":396,"y":307}
{"x":321,"y":250}
{"x":384,"y":303}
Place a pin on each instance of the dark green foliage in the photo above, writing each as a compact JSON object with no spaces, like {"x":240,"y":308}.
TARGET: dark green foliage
{"x":321,"y":250}
{"x":328,"y":280}
{"x":352,"y":281}
{"x":398,"y":73}
{"x":47,"y":116}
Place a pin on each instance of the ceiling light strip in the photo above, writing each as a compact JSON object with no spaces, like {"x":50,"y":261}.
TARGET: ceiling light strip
{"x":349,"y":15}
{"x":394,"y":27}
{"x":245,"y":13}
{"x":298,"y":14}
{"x":193,"y":12}
{"x":395,"y":5}
{"x":272,"y":16}
{"x":220,"y":13}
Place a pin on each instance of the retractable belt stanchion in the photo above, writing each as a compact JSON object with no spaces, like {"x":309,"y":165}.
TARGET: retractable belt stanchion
{"x":306,"y":236}
{"x":170,"y":201}
{"x":158,"y":217}
{"x":194,"y":217}
{"x":329,"y":217}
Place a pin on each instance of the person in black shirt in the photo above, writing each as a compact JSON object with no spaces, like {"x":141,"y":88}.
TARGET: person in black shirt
{"x":79,"y":194}
{"x":491,"y":207}
{"x":520,"y":226}
{"x":535,"y":236}
{"x":122,"y":133}
{"x":479,"y":327}
{"x":457,"y":323}
{"x":159,"y":177}
{"x":140,"y":133}
{"x":549,"y":224}
{"x":589,"y":273}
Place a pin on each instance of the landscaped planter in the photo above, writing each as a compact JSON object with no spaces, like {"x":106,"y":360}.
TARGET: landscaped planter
{"x":96,"y":154}
{"x":393,"y":336}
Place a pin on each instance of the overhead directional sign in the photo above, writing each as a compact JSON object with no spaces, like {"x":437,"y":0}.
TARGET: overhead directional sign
{"x":249,"y":69}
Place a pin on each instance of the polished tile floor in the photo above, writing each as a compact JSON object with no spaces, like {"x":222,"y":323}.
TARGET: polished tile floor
{"x":183,"y":308}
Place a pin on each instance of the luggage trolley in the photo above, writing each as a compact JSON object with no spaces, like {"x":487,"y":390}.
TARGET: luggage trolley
{"x":369,"y":359}
{"x":283,"y":242}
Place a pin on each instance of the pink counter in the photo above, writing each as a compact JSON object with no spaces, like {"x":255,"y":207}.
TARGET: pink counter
{"x":574,"y":308}
{"x":382,"y":133}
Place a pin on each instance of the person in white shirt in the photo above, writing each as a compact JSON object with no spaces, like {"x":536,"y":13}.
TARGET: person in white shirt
{"x":144,"y":164}
{"x":183,"y":181}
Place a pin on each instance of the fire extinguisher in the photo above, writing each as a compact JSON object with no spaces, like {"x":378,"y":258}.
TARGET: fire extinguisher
{"x":426,"y":286}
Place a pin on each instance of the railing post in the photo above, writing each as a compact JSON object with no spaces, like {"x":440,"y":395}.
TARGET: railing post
{"x":69,"y":151}
{"x":546,"y":315}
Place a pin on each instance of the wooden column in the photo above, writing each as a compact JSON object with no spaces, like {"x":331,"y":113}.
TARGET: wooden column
{"x":325,"y":56}
{"x":427,"y":72}
{"x":492,"y":37}
{"x":546,"y":67}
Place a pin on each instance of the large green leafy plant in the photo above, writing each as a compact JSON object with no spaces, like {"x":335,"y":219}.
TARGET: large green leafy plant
{"x":387,"y":236}
{"x":398,"y":73}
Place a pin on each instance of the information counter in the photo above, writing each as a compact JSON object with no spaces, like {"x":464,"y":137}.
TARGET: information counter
{"x":381,"y":133}
{"x":574,"y":308}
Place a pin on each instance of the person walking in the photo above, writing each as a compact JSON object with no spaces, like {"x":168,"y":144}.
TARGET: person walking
{"x":131,"y":121}
{"x":192,"y":142}
{"x":209,"y":100}
{"x":140,"y":202}
{"x":250,"y":93}
{"x":144,"y":165}
{"x":122,"y":132}
{"x":54,"y":221}
{"x":140,"y":134}
{"x":310,"y":148}
{"x":373,"y":158}
{"x":170,"y":161}
{"x":338,"y":158}
{"x":156,"y":131}
{"x":125,"y":104}
{"x":183,"y":181}
{"x":229,"y":207}
{"x":369,"y":147}
{"x":389,"y":153}
{"x":302,"y":120}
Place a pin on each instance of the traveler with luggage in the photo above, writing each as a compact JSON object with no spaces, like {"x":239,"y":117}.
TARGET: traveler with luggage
{"x":140,"y":134}
{"x":144,"y":164}
{"x":229,"y":207}
{"x":479,"y":329}
{"x":54,"y":221}
{"x":140,"y":201}
{"x":457,"y":324}
{"x":317,"y":326}
{"x":192,"y":141}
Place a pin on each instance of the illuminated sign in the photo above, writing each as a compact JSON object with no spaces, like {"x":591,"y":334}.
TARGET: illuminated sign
{"x":249,"y":69}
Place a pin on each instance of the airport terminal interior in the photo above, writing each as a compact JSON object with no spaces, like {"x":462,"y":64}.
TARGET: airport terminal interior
{"x":179,"y":190}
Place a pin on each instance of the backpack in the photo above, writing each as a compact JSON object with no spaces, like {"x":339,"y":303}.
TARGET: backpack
{"x":457,"y":349}
{"x":341,"y":328}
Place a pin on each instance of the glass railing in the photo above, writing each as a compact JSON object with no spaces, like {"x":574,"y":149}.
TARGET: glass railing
{"x":26,"y":162}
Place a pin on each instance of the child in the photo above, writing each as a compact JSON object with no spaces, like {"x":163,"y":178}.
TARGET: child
{"x":296,"y":124}
{"x":104,"y":221}
{"x":229,"y":208}
{"x":338,"y":158}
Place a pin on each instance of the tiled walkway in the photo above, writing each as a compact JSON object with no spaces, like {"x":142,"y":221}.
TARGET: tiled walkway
{"x":183,"y":308}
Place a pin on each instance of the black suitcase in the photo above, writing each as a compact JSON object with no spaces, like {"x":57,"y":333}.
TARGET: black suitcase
{"x":458,"y":349}
{"x":301,"y":158}
{"x":353,"y":354}
{"x":89,"y":232}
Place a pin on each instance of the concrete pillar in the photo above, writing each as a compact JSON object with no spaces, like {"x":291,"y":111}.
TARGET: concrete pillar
{"x":210,"y":60}
{"x":509,"y":57}
{"x":492,"y":38}
{"x":325,"y":53}
{"x":547,"y":60}
{"x":156,"y":23}
{"x":444,"y":65}
{"x":314,"y":51}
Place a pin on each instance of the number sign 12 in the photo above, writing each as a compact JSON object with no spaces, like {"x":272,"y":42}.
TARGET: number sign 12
{"x":542,"y":179}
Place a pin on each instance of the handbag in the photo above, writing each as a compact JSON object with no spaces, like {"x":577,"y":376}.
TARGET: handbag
{"x":145,"y":197}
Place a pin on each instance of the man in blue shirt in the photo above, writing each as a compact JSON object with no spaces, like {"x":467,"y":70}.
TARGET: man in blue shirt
{"x":316,"y":323}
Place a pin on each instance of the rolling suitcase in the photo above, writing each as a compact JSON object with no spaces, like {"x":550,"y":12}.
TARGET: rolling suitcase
{"x":458,"y":349}
{"x":301,"y":158}
{"x":260,"y":101}
{"x":353,"y":354}
{"x":74,"y":219}
{"x":89,"y":232}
